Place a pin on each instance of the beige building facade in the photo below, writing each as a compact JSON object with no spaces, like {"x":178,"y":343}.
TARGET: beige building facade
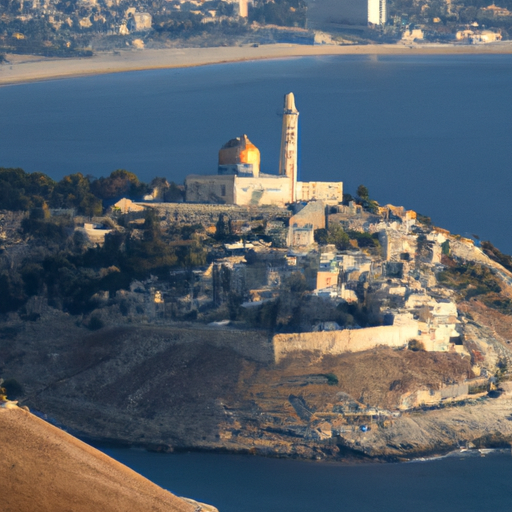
{"x":266,"y":189}
{"x":239,"y":180}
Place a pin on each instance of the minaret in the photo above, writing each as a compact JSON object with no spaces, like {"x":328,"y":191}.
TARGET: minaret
{"x":289,"y":143}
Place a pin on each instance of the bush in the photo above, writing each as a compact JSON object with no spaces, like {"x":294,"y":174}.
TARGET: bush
{"x":95,"y":323}
{"x":13,"y":389}
{"x":416,"y":346}
{"x":332,"y":380}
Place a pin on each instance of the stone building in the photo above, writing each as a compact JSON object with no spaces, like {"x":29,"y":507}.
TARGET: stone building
{"x":239,"y":180}
{"x":139,"y":22}
{"x":302,"y":225}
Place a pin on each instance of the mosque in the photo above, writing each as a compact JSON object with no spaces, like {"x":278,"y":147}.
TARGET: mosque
{"x":239,"y":180}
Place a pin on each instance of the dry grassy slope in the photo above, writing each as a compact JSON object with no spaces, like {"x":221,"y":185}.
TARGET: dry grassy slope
{"x":377,"y":378}
{"x":43,"y":469}
{"x":500,"y":324}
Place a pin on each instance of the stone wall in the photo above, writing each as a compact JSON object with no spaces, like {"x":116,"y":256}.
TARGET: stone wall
{"x":429,"y":397}
{"x":347,"y":340}
{"x":210,"y":189}
{"x":208,"y":214}
{"x":231,"y":189}
{"x":312,"y":214}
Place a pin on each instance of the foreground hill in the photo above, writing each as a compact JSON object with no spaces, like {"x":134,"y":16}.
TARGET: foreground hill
{"x":45,"y":469}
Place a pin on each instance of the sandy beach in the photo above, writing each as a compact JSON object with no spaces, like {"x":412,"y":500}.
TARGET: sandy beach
{"x":19,"y":68}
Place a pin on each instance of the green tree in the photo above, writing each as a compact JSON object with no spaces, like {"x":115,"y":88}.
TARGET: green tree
{"x":74,"y":191}
{"x":223,"y":231}
{"x":334,"y":235}
{"x":120,"y":183}
{"x":338,"y":237}
{"x":362,"y":192}
{"x":22,"y":191}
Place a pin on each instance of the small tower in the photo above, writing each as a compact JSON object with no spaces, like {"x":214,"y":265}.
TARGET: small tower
{"x":289,"y":143}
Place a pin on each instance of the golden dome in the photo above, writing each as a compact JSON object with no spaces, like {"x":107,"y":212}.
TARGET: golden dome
{"x":240,"y":151}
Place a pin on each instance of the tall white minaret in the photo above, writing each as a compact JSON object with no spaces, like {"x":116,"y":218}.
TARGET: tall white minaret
{"x":289,"y":143}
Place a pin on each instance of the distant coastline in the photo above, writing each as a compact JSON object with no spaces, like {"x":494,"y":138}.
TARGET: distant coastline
{"x":22,"y":68}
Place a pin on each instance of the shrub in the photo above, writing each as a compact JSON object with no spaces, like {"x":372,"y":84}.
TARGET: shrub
{"x":13,"y":389}
{"x":416,"y":345}
{"x":332,"y":380}
{"x":95,"y":323}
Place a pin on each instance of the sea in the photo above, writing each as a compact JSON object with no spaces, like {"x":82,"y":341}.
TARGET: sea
{"x":461,"y":482}
{"x":431,"y":133}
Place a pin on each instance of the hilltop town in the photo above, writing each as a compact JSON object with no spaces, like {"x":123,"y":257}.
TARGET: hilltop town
{"x":67,"y":28}
{"x":251,"y":312}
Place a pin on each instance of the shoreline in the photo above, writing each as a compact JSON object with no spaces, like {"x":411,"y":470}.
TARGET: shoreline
{"x":345,"y":459}
{"x":21,"y":69}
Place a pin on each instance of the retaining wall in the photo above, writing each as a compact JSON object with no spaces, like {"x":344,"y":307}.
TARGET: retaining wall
{"x":347,"y":340}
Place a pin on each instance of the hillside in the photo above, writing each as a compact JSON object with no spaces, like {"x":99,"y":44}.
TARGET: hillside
{"x":185,"y":387}
{"x":43,"y":469}
{"x":180,"y":326}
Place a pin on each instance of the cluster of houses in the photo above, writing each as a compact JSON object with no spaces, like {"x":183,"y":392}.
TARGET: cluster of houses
{"x":399,"y":274}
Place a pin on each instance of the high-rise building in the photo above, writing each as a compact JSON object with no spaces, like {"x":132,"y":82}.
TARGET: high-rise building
{"x":289,"y":142}
{"x":377,"y":12}
{"x":243,"y":8}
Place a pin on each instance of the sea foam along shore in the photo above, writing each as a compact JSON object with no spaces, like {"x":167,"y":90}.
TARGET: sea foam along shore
{"x":19,"y":69}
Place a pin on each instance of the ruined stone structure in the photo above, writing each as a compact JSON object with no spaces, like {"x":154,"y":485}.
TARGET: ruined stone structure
{"x":239,"y":180}
{"x":303,"y":224}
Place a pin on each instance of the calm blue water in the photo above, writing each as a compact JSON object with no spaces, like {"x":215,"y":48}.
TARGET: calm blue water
{"x":429,"y":133}
{"x":255,"y":484}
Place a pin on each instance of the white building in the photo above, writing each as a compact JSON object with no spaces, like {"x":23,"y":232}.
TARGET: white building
{"x":377,"y":12}
{"x":239,"y":180}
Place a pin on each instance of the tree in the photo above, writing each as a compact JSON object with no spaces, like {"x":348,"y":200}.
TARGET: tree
{"x":334,"y":235}
{"x":416,"y":345}
{"x":22,"y":191}
{"x":362,"y":192}
{"x":296,"y":283}
{"x":74,"y":191}
{"x":338,"y":237}
{"x":222,"y":232}
{"x":120,"y":183}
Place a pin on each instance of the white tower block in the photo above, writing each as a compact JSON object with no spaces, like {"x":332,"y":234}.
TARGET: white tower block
{"x":289,"y":143}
